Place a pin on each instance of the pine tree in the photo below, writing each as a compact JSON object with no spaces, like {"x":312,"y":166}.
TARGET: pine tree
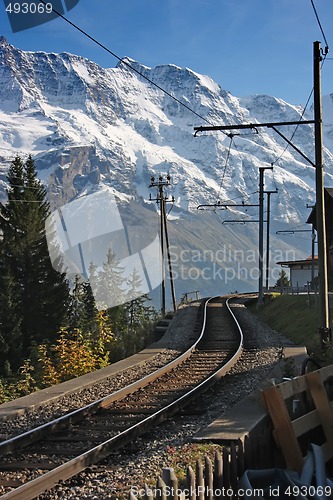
{"x":138,"y":314}
{"x":82,"y":309}
{"x":282,"y":281}
{"x":30,"y":287}
{"x":109,"y":283}
{"x":135,"y":301}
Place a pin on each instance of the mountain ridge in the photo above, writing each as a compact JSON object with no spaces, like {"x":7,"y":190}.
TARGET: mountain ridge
{"x":89,"y":127}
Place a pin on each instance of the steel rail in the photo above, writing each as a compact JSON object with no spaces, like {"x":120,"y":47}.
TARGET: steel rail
{"x":37,"y":433}
{"x":35,"y":487}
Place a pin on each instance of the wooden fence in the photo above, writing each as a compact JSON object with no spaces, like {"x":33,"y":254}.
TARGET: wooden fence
{"x":215,"y":479}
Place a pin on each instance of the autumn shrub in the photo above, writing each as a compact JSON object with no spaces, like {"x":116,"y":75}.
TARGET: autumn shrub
{"x":3,"y":397}
{"x":22,"y":384}
{"x":26,"y":381}
{"x":75,"y":353}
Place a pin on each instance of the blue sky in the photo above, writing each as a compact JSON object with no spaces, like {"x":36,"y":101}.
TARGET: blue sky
{"x":247,"y":46}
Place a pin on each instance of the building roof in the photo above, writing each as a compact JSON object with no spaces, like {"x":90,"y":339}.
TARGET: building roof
{"x":291,"y":263}
{"x":328,"y":196}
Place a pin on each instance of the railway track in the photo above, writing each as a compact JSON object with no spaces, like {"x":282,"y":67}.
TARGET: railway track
{"x":64,"y":447}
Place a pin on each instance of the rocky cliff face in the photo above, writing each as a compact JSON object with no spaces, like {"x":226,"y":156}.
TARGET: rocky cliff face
{"x":90,"y":128}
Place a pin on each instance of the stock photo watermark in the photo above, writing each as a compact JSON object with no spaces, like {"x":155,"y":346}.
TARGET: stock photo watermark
{"x":207,"y":492}
{"x":26,"y":14}
{"x":88,"y":238}
{"x":226,"y":264}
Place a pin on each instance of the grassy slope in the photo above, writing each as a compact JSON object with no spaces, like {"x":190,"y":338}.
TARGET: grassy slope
{"x":295,"y":318}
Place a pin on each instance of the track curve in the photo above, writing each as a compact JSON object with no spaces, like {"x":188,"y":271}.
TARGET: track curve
{"x":129,"y":412}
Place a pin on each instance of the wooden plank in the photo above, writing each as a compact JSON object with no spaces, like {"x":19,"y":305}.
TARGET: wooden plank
{"x":306,"y":422}
{"x":283,"y":426}
{"x":326,"y":372}
{"x":327,"y":451}
{"x":293,"y":387}
{"x":248,"y":459}
{"x":148,"y":493}
{"x":320,"y":399}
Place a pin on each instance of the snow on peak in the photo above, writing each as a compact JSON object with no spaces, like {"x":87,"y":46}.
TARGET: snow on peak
{"x":3,"y":41}
{"x":116,"y":127}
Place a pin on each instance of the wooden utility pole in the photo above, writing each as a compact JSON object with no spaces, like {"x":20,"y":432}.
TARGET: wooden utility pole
{"x":324,"y":322}
{"x":160,"y":184}
{"x":268,"y":235}
{"x":261,"y":234}
{"x":172,"y":283}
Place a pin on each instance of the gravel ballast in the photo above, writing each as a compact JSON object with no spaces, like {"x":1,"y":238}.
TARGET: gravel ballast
{"x":142,"y":461}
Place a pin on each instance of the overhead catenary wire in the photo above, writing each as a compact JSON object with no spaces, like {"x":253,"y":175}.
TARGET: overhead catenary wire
{"x":311,"y":93}
{"x":230,"y":200}
{"x":320,"y":26}
{"x":170,"y":95}
{"x":225,"y":166}
{"x":295,"y":130}
{"x":243,"y":196}
{"x":302,"y":116}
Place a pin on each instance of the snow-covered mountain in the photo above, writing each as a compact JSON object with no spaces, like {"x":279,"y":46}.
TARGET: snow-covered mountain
{"x":91,"y":128}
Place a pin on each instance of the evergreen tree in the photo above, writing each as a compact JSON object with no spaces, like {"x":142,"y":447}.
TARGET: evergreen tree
{"x":82,"y":310}
{"x":139,"y":316}
{"x":135,"y":305}
{"x":31,"y":289}
{"x":109,"y":283}
{"x":282,"y":281}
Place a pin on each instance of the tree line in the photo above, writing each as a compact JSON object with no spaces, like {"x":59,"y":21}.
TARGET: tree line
{"x":48,"y":325}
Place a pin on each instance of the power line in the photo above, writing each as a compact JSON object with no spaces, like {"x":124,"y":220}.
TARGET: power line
{"x":122,"y":61}
{"x":311,"y":93}
{"x":296,"y":128}
{"x":243,"y":196}
{"x":225,"y":166}
{"x":320,"y":26}
{"x":304,"y":109}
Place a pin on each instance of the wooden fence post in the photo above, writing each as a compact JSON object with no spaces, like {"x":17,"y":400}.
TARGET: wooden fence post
{"x":209,"y":491}
{"x":148,"y":493}
{"x":131,"y":496}
{"x":240,"y":458}
{"x":170,"y":479}
{"x":200,"y":482}
{"x":207,"y":482}
{"x":248,"y":463}
{"x":160,"y":489}
{"x":190,"y":483}
{"x":218,"y":473}
{"x":233,"y":467}
{"x":226,"y":468}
